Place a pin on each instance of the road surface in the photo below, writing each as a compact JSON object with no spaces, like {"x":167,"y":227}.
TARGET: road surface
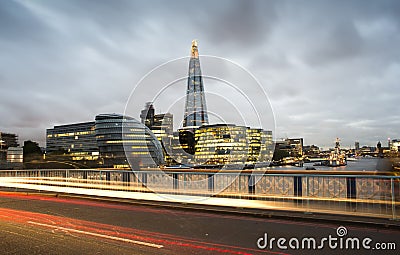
{"x":46,"y":224}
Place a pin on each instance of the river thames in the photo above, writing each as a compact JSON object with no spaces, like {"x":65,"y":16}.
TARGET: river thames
{"x":360,"y":164}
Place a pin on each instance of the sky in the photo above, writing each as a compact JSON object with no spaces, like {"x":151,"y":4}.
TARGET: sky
{"x":329,"y":68}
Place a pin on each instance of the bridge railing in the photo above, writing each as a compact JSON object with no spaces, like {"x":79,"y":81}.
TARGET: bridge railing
{"x":358,"y":194}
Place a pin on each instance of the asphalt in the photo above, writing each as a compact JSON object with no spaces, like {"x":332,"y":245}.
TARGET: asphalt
{"x":33,"y":223}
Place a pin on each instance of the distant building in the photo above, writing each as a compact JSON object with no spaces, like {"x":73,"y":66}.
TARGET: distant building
{"x":368,"y":151}
{"x":312,"y":151}
{"x":395,"y":145}
{"x":357,"y":146}
{"x":77,"y":140}
{"x":15,"y":155}
{"x":162,"y":127}
{"x":7,"y":140}
{"x":147,"y":115}
{"x":290,"y":147}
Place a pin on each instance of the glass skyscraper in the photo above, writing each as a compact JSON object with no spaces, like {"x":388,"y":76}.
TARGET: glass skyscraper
{"x":195,"y":107}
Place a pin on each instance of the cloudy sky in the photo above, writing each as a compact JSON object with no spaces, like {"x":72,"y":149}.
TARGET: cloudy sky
{"x":330,"y":68}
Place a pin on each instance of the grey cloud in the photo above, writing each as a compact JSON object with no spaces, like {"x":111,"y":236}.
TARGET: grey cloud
{"x":325,"y":65}
{"x":241,"y":23}
{"x":18,"y":24}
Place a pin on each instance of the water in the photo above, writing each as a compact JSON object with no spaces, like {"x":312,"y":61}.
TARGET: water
{"x":361,"y":164}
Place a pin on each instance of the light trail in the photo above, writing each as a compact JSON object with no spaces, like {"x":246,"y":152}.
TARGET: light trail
{"x":125,"y":207}
{"x":98,"y":235}
{"x":135,"y":236}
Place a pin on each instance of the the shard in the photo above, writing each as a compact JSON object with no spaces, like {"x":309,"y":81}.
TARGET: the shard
{"x":195,"y":107}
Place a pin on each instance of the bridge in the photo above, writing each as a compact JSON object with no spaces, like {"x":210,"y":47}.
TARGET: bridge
{"x":352,"y":193}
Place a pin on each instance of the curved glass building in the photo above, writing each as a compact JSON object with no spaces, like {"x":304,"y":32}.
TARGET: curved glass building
{"x":125,"y":142}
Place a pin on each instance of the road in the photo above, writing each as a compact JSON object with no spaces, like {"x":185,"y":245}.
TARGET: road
{"x":48,"y":224}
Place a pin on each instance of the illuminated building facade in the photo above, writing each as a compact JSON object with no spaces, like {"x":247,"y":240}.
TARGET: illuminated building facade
{"x":395,"y":145}
{"x":163,"y":129}
{"x":106,"y":140}
{"x":296,"y":145}
{"x":260,"y":145}
{"x":77,"y":140}
{"x":195,"y":107}
{"x":221,"y":144}
{"x":123,"y":142}
{"x":224,"y":144}
{"x":15,"y":155}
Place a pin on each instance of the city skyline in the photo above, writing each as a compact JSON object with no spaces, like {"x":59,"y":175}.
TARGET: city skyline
{"x":330,"y":69}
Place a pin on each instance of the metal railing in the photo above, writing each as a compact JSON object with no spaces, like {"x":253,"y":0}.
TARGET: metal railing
{"x":356,"y":194}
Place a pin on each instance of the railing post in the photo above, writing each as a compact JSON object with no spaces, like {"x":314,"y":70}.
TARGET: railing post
{"x":144,"y":179}
{"x":308,"y":194}
{"x":175,"y":181}
{"x":393,"y":198}
{"x":297,"y":187}
{"x":126,"y":178}
{"x":252,"y":185}
{"x":211,"y":183}
{"x":351,"y":190}
{"x":108,"y":176}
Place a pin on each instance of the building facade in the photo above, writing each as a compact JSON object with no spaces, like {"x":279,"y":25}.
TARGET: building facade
{"x":228,"y":144}
{"x":8,"y":140}
{"x":15,"y":155}
{"x":261,"y":146}
{"x":112,"y":140}
{"x":195,"y":105}
{"x":124,"y":142}
{"x":395,"y":145}
{"x":77,"y":140}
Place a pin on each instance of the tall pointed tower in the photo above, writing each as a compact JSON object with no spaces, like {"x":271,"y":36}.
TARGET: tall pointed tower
{"x":195,"y":107}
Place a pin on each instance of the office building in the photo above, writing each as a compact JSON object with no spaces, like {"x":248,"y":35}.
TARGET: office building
{"x":221,"y":144}
{"x":228,"y":144}
{"x":75,"y":140}
{"x":147,"y":115}
{"x":357,"y":146}
{"x":15,"y":155}
{"x":124,"y":142}
{"x":195,"y":106}
{"x":7,"y":140}
{"x":162,"y":127}
{"x":260,"y":146}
